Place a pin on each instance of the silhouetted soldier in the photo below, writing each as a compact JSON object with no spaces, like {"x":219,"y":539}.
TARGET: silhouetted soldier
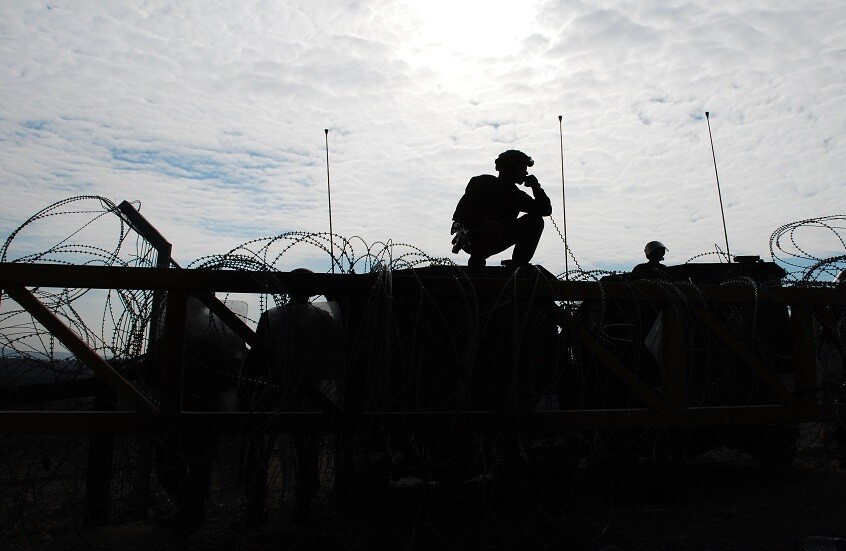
{"x":295,"y":356}
{"x":654,"y":251}
{"x":485,"y":221}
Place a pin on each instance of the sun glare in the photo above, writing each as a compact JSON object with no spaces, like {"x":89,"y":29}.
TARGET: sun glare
{"x":454,"y":33}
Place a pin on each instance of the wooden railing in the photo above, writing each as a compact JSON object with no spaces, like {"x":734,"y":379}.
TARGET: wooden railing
{"x":809,"y":308}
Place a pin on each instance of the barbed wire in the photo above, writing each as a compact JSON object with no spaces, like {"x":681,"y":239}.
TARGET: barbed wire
{"x":803,"y":266}
{"x":410,"y":346}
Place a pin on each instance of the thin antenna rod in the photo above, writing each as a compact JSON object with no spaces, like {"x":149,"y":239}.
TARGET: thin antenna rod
{"x":564,"y":202}
{"x":719,"y":193}
{"x":329,"y":193}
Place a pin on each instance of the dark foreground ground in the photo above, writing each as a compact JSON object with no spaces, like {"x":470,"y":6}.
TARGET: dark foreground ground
{"x":708,"y":504}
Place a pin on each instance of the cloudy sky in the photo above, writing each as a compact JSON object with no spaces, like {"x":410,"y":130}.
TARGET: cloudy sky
{"x":212,"y":115}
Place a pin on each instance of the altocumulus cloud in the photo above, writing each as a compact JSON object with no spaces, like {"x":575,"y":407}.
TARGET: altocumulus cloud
{"x":212,"y":115}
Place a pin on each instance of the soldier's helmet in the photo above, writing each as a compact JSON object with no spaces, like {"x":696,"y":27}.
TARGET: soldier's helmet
{"x":513,"y":158}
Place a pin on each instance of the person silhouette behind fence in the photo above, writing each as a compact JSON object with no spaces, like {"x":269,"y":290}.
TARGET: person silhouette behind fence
{"x":486,"y":220}
{"x":652,"y":268}
{"x":293,"y":366}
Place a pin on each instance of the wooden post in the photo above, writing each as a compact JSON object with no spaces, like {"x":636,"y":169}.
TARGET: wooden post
{"x":804,"y":353}
{"x":173,"y":352}
{"x":673,"y":370}
{"x":98,"y":476}
{"x":164,"y":250}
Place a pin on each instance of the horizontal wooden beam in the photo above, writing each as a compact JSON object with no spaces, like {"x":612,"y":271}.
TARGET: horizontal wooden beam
{"x":402,"y":283}
{"x":92,"y":422}
{"x":46,"y":392}
{"x":120,"y":277}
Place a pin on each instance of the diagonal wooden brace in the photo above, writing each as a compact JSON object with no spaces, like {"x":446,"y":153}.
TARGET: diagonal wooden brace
{"x":616,"y":366}
{"x":227,"y":316}
{"x":78,"y":347}
{"x":744,"y":354}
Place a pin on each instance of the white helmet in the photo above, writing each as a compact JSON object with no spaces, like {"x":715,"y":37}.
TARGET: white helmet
{"x":652,"y":245}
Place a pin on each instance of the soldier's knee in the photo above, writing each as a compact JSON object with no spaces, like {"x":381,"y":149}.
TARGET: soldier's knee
{"x":533,"y":223}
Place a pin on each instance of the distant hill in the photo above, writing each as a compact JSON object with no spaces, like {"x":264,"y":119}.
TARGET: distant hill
{"x":17,"y":370}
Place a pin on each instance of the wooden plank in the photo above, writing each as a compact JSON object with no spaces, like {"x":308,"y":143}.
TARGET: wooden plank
{"x":143,"y":475}
{"x":402,"y":284}
{"x":98,"y":470}
{"x":76,"y":346}
{"x":85,"y":422}
{"x":804,"y":352}
{"x":172,"y":358}
{"x":120,"y":277}
{"x":46,"y":392}
{"x":673,"y":368}
{"x":146,"y":230}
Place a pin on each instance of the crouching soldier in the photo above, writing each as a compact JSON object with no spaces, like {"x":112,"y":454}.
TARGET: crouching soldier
{"x":486,"y":220}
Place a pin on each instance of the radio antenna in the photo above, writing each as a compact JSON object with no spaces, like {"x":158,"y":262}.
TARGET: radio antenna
{"x":563,"y":202}
{"x":329,"y":193}
{"x":719,"y":193}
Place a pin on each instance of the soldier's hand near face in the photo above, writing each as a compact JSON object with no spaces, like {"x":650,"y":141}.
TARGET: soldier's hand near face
{"x":531,"y":181}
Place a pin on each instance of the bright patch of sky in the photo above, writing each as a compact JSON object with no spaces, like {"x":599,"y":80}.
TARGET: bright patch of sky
{"x":211,"y":114}
{"x":453,"y":39}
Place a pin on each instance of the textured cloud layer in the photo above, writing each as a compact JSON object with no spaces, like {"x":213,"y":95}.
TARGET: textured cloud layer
{"x":212,"y":115}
